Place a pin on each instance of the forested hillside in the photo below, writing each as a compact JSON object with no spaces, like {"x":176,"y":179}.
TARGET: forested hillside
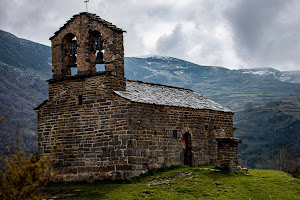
{"x":24,"y":67}
{"x":270,"y":133}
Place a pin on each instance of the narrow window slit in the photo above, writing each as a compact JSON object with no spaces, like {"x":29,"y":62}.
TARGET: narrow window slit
{"x":175,"y":134}
{"x":206,"y":127}
{"x":80,"y":100}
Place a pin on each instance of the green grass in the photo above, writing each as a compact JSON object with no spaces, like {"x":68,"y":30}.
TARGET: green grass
{"x":187,"y":183}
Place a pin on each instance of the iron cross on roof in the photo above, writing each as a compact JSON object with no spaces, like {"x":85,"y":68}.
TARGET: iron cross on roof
{"x":86,"y":1}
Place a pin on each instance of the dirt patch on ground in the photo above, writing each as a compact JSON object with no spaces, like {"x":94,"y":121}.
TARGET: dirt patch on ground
{"x":164,"y":181}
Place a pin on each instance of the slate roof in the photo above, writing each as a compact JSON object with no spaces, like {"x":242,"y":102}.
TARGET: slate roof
{"x":92,"y":17}
{"x":150,"y":93}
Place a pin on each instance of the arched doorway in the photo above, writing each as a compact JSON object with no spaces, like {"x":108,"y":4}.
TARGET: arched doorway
{"x":187,"y":160}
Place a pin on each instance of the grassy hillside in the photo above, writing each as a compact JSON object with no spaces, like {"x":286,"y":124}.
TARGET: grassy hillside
{"x":187,"y":183}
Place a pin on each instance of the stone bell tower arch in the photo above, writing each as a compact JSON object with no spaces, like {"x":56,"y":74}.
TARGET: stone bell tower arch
{"x":84,"y":41}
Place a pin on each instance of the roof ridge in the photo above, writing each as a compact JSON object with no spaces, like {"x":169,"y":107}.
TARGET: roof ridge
{"x":91,"y":16}
{"x":170,"y":86}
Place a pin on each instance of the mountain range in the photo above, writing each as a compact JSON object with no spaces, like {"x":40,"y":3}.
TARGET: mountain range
{"x":266,"y":101}
{"x":231,"y":88}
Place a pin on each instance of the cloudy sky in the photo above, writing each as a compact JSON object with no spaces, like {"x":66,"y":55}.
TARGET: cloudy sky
{"x":228,"y":33}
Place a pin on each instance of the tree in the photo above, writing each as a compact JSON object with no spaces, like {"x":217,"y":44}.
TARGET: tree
{"x":22,"y":175}
{"x":296,"y":172}
{"x":286,"y":160}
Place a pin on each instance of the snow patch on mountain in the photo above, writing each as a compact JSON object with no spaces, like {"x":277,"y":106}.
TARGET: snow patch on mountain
{"x":179,"y":72}
{"x":260,"y":73}
{"x":180,"y":75}
{"x":156,"y":72}
{"x":154,"y":56}
{"x":285,"y":76}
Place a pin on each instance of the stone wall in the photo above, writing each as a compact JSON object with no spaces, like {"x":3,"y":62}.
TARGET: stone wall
{"x":91,"y":133}
{"x":157,"y":135}
{"x":95,"y":82}
{"x":227,"y":152}
{"x":82,"y":129}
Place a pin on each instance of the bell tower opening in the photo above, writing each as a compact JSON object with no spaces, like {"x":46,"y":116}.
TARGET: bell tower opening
{"x":87,"y":44}
{"x":100,"y":67}
{"x":70,"y":55}
{"x":96,"y":41}
{"x":73,"y":71}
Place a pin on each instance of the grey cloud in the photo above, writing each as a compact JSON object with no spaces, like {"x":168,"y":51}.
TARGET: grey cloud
{"x":31,"y":19}
{"x":18,"y":16}
{"x":264,"y":32}
{"x":251,"y":18}
{"x":263,"y":35}
{"x":162,"y":12}
{"x":173,"y":43}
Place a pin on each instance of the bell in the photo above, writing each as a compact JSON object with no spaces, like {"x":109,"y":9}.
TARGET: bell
{"x":99,"y":58}
{"x":72,"y":62}
{"x":73,"y":59}
{"x":99,"y":43}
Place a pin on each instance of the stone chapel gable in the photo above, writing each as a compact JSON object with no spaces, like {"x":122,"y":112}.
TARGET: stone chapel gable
{"x":82,"y":34}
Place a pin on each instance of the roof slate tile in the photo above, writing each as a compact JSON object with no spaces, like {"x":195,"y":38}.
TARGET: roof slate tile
{"x":149,"y":93}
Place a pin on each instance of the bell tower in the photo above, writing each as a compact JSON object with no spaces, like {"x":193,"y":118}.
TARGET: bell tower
{"x":85,"y":41}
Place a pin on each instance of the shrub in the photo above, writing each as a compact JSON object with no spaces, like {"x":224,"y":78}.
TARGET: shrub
{"x":21,"y":176}
{"x":296,"y":172}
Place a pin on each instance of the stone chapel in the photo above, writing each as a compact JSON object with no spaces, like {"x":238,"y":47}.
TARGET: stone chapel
{"x":99,"y":125}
